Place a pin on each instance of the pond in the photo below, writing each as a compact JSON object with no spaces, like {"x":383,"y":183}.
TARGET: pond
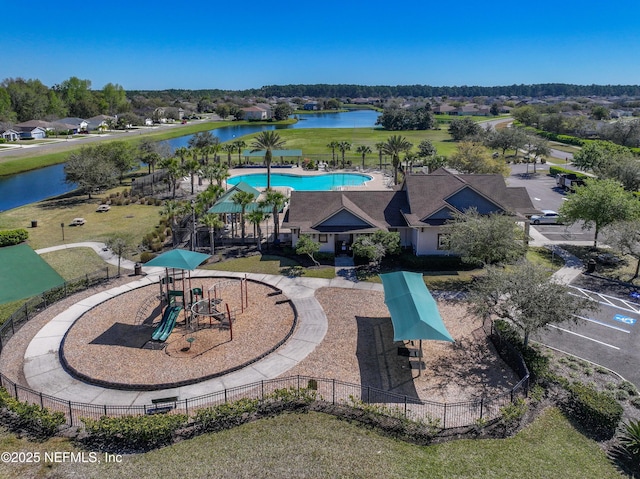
{"x":37,"y":185}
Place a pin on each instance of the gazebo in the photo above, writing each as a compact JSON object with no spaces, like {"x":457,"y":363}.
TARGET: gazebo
{"x":414,"y":312}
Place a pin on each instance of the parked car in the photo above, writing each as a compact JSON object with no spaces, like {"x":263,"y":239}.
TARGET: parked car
{"x":77,"y":222}
{"x":103,"y":208}
{"x":548,"y":217}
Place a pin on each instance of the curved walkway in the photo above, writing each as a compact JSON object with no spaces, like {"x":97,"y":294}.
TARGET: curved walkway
{"x":44,"y":372}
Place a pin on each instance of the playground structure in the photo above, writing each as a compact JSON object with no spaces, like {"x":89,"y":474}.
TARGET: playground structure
{"x":191,"y":302}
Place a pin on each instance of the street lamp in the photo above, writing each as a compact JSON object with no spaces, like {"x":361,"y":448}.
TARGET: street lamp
{"x":193,"y":216}
{"x":62,"y":226}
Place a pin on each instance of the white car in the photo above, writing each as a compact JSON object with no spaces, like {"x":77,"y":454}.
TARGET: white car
{"x":548,"y":217}
{"x":103,"y":208}
{"x":77,"y":222}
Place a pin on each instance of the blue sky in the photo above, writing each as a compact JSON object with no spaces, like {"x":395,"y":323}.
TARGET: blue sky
{"x":197,"y":44}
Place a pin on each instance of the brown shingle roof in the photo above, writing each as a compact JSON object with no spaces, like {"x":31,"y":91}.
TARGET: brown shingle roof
{"x":308,"y":210}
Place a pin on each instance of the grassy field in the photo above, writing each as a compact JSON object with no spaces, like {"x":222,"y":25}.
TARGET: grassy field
{"x":76,"y":262}
{"x":130,"y":220}
{"x":317,"y":445}
{"x":315,"y":141}
{"x":270,"y":264}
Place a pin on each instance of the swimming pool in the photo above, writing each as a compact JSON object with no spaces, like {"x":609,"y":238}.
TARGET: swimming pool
{"x":324,"y":182}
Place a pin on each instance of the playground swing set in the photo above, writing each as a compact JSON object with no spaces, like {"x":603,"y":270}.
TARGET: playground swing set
{"x":194,"y":306}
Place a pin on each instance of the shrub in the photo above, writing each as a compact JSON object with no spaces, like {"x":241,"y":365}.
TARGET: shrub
{"x":512,"y":413}
{"x":38,"y":421}
{"x":630,"y":441}
{"x":596,"y":411}
{"x":13,"y":237}
{"x":629,"y":387}
{"x":636,"y":402}
{"x":133,"y":432}
{"x":146,"y":256}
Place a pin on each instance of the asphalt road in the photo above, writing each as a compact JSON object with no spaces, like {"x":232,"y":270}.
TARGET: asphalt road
{"x":608,"y":337}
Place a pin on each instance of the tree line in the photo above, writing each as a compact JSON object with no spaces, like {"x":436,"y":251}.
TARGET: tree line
{"x":324,"y":90}
{"x":23,"y":100}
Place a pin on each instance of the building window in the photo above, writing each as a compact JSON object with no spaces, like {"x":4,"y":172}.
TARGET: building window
{"x":323,"y":238}
{"x":443,"y":241}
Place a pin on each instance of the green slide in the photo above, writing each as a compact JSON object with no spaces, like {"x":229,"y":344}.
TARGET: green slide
{"x":168,"y":322}
{"x":171,"y":322}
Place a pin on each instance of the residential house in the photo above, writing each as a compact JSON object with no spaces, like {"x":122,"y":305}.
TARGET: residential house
{"x":418,"y":210}
{"x":11,"y":135}
{"x":32,"y":129}
{"x":78,"y":125}
{"x":444,"y":109}
{"x":256,"y":113}
{"x":100,"y":122}
{"x":311,"y":105}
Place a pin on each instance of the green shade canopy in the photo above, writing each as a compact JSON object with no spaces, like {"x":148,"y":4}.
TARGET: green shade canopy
{"x":414,"y":312}
{"x":179,"y":259}
{"x":24,"y":274}
{"x":225,"y":203}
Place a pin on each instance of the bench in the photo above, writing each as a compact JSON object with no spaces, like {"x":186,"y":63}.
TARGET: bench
{"x":162,"y":405}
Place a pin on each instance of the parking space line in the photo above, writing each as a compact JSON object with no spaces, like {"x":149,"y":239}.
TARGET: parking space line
{"x":603,"y":324}
{"x":630,"y":307}
{"x":585,"y":337}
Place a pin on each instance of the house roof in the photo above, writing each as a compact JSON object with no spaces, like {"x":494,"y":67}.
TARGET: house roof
{"x":311,"y":210}
{"x":423,"y":203}
{"x":422,"y":200}
{"x":32,"y":124}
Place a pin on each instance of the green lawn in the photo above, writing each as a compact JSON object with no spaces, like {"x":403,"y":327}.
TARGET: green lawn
{"x":315,"y":141}
{"x":133,"y":220}
{"x":317,"y":445}
{"x":270,"y":264}
{"x":76,"y":262}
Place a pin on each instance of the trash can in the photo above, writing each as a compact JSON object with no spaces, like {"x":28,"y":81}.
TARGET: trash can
{"x":34,"y":223}
{"x":137,"y":269}
{"x":591,"y":266}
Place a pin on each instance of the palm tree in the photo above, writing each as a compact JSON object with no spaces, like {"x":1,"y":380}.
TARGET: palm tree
{"x":172,"y":209}
{"x":344,"y":146}
{"x":409,"y":158}
{"x":244,"y":199}
{"x":256,"y":217}
{"x":173,"y":170}
{"x":364,"y":150}
{"x":228,"y":148}
{"x":212,"y":221}
{"x":333,"y":145}
{"x":267,"y":140}
{"x":182,"y":153}
{"x":395,"y":145}
{"x":239,"y":145}
{"x":192,"y":167}
{"x":276,"y":200}
{"x":380,"y":147}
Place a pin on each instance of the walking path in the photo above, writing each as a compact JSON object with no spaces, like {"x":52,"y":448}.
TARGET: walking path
{"x":44,"y":372}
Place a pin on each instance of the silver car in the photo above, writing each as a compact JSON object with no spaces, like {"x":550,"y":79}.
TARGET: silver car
{"x":548,"y":217}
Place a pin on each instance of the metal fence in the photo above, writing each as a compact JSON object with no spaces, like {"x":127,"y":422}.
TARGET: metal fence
{"x":331,"y":391}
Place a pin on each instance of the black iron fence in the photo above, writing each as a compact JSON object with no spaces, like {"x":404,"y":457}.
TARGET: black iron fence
{"x":332,"y":391}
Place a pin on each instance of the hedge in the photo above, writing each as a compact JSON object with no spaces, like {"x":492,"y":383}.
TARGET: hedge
{"x":556,"y":170}
{"x":597,"y":411}
{"x":13,"y":237}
